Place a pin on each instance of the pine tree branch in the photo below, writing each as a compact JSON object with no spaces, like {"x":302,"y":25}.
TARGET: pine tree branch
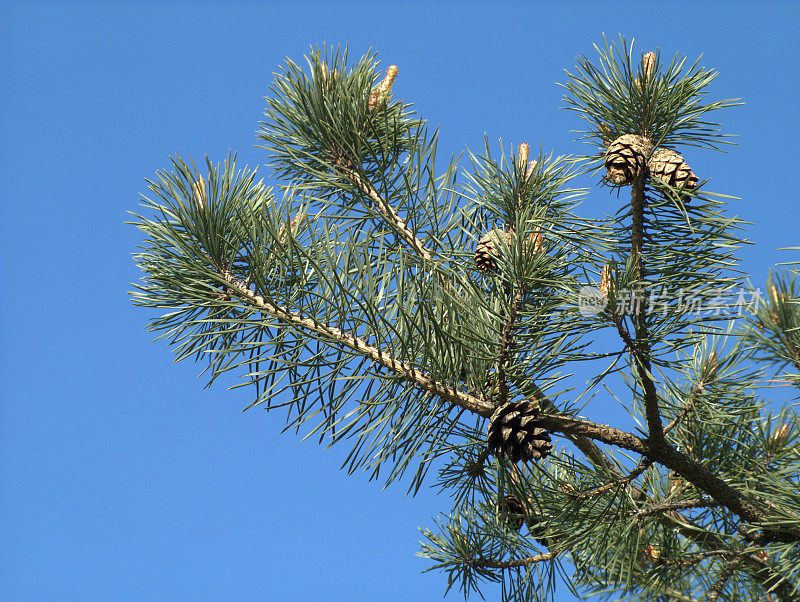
{"x":623,"y":332}
{"x":690,"y":470}
{"x":389,"y":212}
{"x":592,"y":451}
{"x":687,"y":407}
{"x":588,"y":447}
{"x":510,"y":564}
{"x":694,"y":559}
{"x":682,"y":505}
{"x":643,"y":465}
{"x":762,"y":571}
{"x":570,"y":426}
{"x":708,"y":375}
{"x":682,"y":464}
{"x":673,"y":520}
{"x":413,"y":375}
{"x":725,"y":573}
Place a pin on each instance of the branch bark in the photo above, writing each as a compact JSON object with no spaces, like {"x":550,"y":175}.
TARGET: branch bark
{"x":361,"y":347}
{"x":389,"y":212}
{"x":664,"y":454}
{"x":511,"y":564}
{"x":641,"y":348}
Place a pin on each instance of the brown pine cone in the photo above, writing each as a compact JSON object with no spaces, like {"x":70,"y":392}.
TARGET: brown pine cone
{"x":625,"y":158}
{"x":669,"y":167}
{"x":514,"y":432}
{"x":488,"y":249}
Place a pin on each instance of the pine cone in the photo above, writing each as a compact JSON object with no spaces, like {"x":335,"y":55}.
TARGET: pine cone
{"x":625,"y":158}
{"x":511,"y":505}
{"x":488,"y":250}
{"x":513,"y":432}
{"x":669,"y":167}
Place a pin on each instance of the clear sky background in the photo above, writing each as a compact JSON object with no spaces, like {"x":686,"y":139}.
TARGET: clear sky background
{"x":121,"y":478}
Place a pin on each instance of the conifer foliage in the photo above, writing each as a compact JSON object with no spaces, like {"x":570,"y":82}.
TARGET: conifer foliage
{"x":431,"y":316}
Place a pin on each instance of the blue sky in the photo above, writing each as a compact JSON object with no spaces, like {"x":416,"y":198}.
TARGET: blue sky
{"x":121,"y":478}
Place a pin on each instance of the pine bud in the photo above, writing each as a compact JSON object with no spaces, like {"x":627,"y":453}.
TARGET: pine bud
{"x":294,"y":224}
{"x":710,"y":366}
{"x":608,"y":288}
{"x":606,"y":281}
{"x":762,"y":555}
{"x":651,"y":554}
{"x":522,"y":156}
{"x":327,"y":78}
{"x":648,"y":64}
{"x":569,"y":489}
{"x":779,"y":436}
{"x":391,"y":74}
{"x":529,"y":171}
{"x":379,"y":95}
{"x":522,"y":163}
{"x":199,"y":190}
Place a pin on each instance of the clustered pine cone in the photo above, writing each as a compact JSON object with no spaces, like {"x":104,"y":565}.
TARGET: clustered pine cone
{"x":488,"y":250}
{"x":626,"y":157}
{"x":669,"y":167}
{"x":514,"y":432}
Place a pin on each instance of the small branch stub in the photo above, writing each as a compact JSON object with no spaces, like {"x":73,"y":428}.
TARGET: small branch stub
{"x":651,"y":554}
{"x":606,"y":135}
{"x":626,"y":158}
